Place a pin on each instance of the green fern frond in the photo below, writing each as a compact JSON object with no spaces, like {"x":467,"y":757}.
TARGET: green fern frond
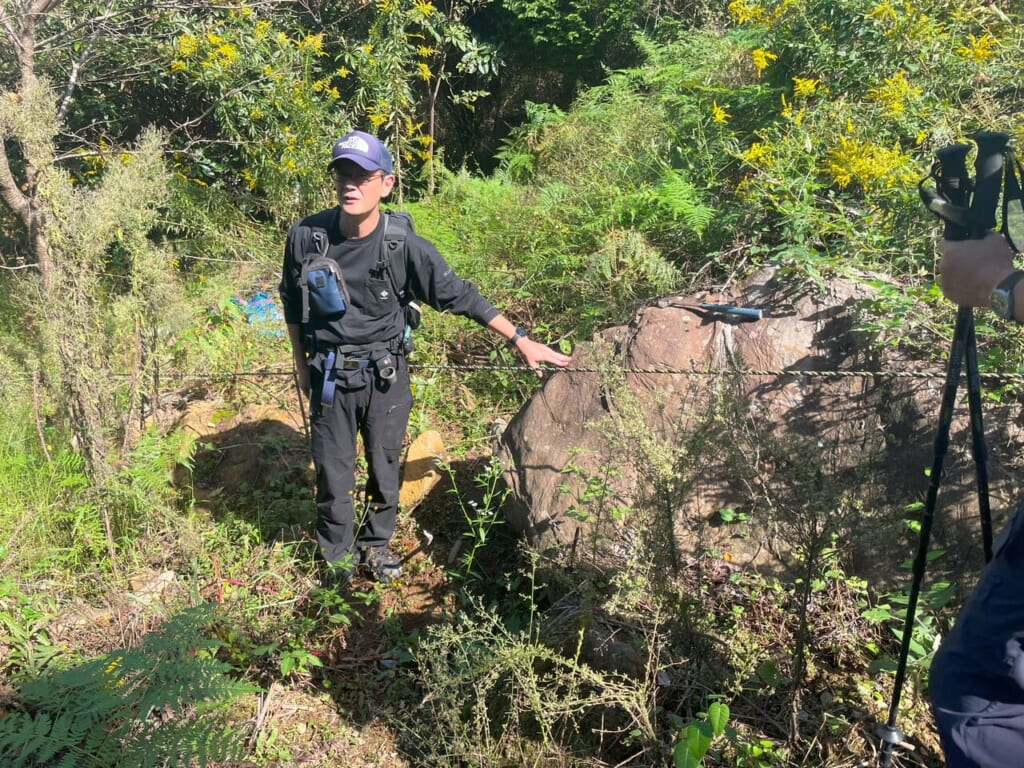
{"x":151,"y":463}
{"x":160,"y":704}
{"x":678,"y":198}
{"x":627,"y":267}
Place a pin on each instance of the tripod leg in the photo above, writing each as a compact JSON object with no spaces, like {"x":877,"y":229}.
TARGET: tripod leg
{"x":979,"y":448}
{"x":963,"y":332}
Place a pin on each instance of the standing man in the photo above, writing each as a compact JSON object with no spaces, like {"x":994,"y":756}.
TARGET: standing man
{"x":351,"y":362}
{"x":976,"y":683}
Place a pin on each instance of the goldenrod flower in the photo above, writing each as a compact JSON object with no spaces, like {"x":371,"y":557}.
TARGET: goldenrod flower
{"x":894,"y":93}
{"x":804,"y":86}
{"x":868,"y":165}
{"x":186,"y":45}
{"x":788,"y":113}
{"x":757,"y":153}
{"x":313,"y":43}
{"x":883,"y":11}
{"x":719,"y":115}
{"x":978,"y":48}
{"x":744,"y":11}
{"x":227,"y":53}
{"x":762,"y":58}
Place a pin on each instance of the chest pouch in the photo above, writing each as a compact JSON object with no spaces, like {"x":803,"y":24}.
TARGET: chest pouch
{"x":327,"y":295}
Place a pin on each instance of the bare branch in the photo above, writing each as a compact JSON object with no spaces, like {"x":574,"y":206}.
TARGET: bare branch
{"x":9,"y":33}
{"x":129,"y":19}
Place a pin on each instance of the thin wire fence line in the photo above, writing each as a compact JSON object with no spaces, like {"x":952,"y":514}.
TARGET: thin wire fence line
{"x":778,"y":373}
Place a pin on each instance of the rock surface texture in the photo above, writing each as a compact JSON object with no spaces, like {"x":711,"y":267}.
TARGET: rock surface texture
{"x":687,"y":432}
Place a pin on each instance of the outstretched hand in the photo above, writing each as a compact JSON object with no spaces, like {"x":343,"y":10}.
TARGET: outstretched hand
{"x":535,"y":353}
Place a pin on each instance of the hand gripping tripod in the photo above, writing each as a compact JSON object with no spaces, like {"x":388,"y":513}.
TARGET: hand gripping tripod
{"x":968,"y":210}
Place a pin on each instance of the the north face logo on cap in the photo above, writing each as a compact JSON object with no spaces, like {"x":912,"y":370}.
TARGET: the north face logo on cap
{"x":354,"y":142}
{"x":364,"y":150}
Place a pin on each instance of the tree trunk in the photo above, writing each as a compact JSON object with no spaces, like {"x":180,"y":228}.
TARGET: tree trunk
{"x":20,"y":29}
{"x":31,"y":124}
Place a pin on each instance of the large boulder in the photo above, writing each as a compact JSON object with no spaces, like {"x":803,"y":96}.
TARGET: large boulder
{"x":688,"y":431}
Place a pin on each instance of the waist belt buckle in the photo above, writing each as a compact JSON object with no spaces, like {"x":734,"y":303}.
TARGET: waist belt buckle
{"x":352,"y":364}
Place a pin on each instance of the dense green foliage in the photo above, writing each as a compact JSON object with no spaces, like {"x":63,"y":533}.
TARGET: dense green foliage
{"x":154,"y":155}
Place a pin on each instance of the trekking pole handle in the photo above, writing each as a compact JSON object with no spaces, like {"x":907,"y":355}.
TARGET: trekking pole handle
{"x":953,"y":185}
{"x":988,"y":180}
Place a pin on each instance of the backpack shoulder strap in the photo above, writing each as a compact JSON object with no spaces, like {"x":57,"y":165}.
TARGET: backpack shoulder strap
{"x":396,"y":229}
{"x":313,"y":244}
{"x":312,"y":234}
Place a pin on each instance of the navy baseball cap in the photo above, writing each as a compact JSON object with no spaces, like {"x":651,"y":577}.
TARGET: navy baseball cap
{"x":364,"y":150}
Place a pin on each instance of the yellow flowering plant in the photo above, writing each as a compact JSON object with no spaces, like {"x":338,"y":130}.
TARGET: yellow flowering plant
{"x":270,"y":99}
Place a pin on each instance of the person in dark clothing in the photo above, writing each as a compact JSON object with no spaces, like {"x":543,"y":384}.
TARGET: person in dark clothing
{"x":358,"y":356}
{"x":976,"y":682}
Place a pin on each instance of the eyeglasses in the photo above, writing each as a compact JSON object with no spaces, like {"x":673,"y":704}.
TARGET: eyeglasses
{"x":358,"y":178}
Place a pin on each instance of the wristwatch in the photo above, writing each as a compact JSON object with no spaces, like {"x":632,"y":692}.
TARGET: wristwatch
{"x":1001,"y":298}
{"x":520,"y":333}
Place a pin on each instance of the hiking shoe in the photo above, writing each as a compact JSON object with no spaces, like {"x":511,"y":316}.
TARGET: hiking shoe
{"x":381,"y":564}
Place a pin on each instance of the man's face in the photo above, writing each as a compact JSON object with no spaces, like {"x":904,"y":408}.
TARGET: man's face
{"x":359,"y":191}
